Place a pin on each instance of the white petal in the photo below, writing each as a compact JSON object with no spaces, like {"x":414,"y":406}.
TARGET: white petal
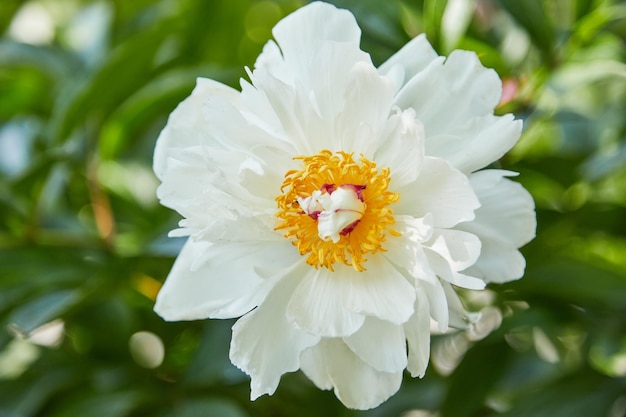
{"x":460,"y":318}
{"x":406,"y":252}
{"x":337,"y":100}
{"x":187,"y":177}
{"x":186,"y":125}
{"x":239,"y":229}
{"x":444,"y":269}
{"x":304,"y":30}
{"x":440,"y":191}
{"x":317,"y":305}
{"x":337,"y":69}
{"x":326,"y":94}
{"x":417,"y":331}
{"x":195,"y":180}
{"x":451,"y":93}
{"x":219,"y":280}
{"x":460,"y":249}
{"x":262,"y":172}
{"x":402,"y":148}
{"x":310,"y":109}
{"x":505,"y":221}
{"x":380,"y":291}
{"x":271,"y":60}
{"x":308,"y":88}
{"x":258,"y":108}
{"x":411,"y":59}
{"x":356,"y":384}
{"x":218,"y":195}
{"x":507,"y":209}
{"x":437,"y":302}
{"x":314,"y":366}
{"x":380,"y":344}
{"x":476,"y":144}
{"x":265,"y":345}
{"x":231,"y":130}
{"x":368,"y":100}
{"x":333,"y":303}
{"x":290,"y":111}
{"x":499,"y":263}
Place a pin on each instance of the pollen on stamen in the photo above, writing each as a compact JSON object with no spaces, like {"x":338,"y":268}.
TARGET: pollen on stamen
{"x":363,"y":207}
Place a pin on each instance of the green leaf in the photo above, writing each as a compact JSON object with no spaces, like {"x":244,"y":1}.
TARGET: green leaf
{"x":489,"y":56}
{"x":380,"y":22}
{"x":532,"y":16}
{"x":433,"y":16}
{"x":481,"y":369}
{"x":211,"y":364}
{"x":43,"y":309}
{"x":155,"y":99}
{"x":7,"y":11}
{"x":53,"y":63}
{"x":27,"y":396}
{"x":574,"y":282}
{"x":30,"y":77}
{"x":116,"y":404}
{"x":582,"y":394}
{"x":128,"y":68}
{"x":208,"y":407}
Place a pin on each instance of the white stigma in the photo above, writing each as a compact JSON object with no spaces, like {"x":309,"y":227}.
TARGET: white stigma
{"x":337,"y":212}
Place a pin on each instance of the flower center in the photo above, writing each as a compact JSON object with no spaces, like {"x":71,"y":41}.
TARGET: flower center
{"x":335,"y":209}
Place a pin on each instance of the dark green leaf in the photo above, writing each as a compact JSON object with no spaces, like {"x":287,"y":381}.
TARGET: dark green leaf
{"x":26,"y":397}
{"x":117,"y":404}
{"x":211,"y":364}
{"x":532,"y":16}
{"x":575,"y":282}
{"x":481,"y":369}
{"x":43,"y":309}
{"x":579,"y":395}
{"x":208,"y":408}
{"x":433,"y":13}
{"x":128,"y":68}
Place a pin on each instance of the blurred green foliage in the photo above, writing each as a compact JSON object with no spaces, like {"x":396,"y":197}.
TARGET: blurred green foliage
{"x":85,"y":87}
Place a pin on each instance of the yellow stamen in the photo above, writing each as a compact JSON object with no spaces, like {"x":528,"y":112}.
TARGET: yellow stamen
{"x":369,"y":234}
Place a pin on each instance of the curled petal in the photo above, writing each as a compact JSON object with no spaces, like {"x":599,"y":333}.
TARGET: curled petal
{"x":406,"y":251}
{"x":380,"y":344}
{"x":357,"y":385}
{"x":459,"y":249}
{"x":437,"y":302}
{"x":265,"y":345}
{"x":505,"y":221}
{"x":441,"y":191}
{"x":417,"y":331}
{"x":411,"y":59}
{"x":445,"y":271}
{"x":460,"y":318}
{"x":477,"y":143}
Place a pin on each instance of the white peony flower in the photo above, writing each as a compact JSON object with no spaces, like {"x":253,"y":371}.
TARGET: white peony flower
{"x":335,"y":206}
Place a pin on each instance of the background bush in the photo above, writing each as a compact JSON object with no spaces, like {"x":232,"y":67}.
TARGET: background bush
{"x":86,"y":86}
